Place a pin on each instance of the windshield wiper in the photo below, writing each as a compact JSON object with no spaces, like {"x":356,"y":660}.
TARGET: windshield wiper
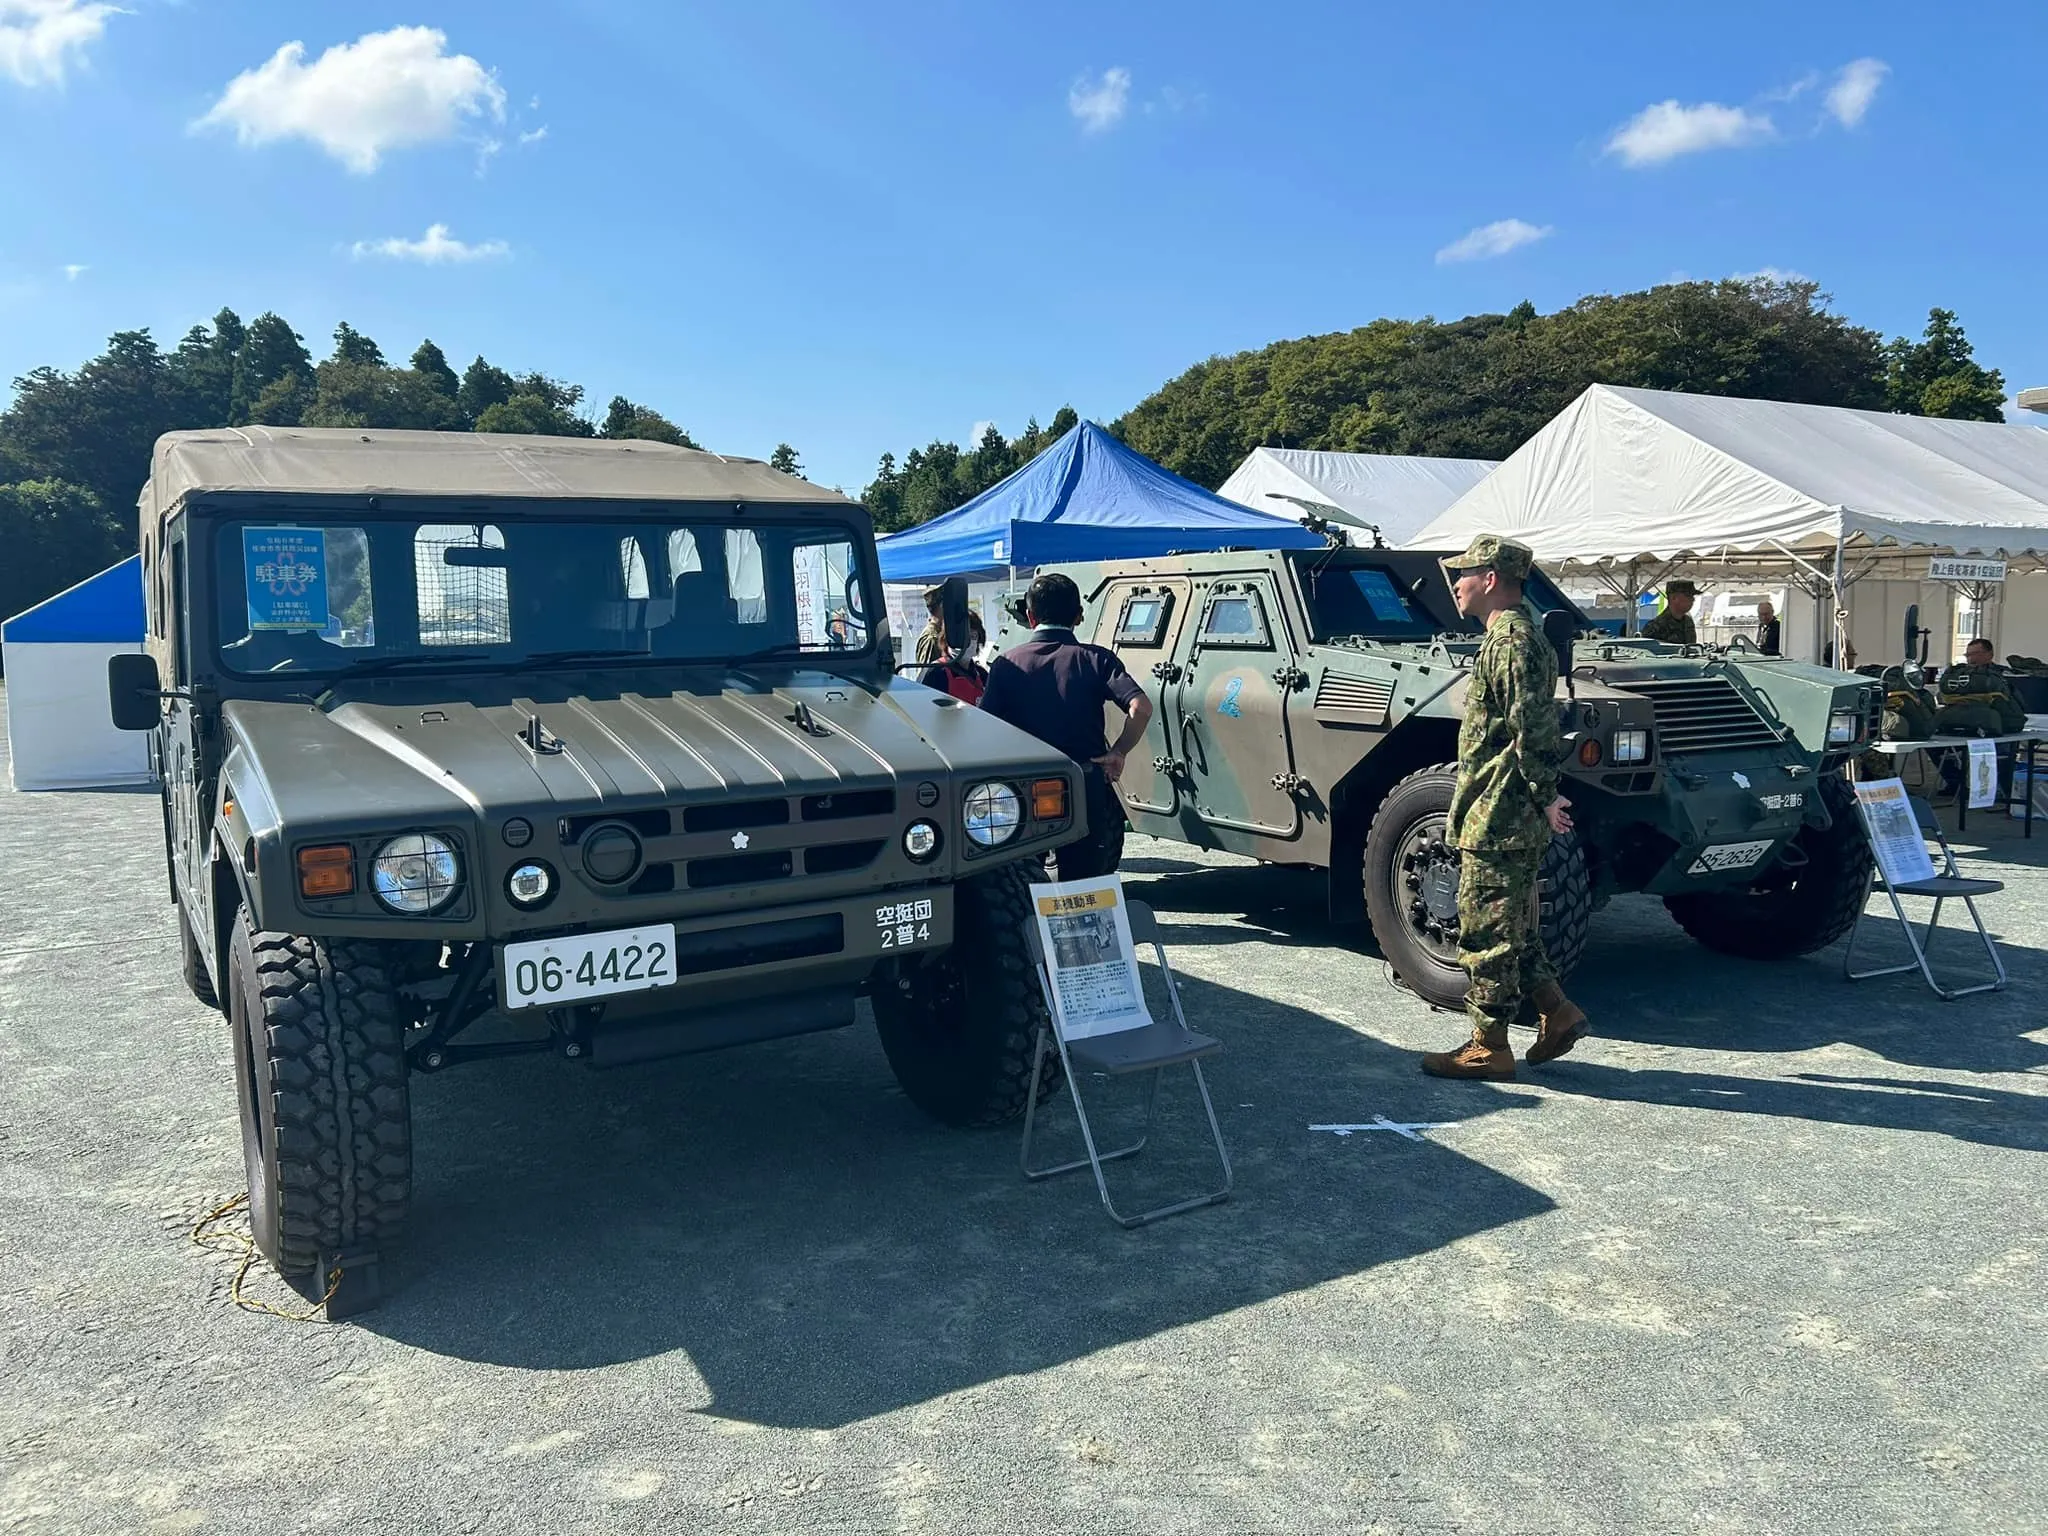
{"x":411,"y":659}
{"x":588,"y":653}
{"x":766,"y":653}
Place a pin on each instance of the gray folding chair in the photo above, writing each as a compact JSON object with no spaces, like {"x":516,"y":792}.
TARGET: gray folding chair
{"x":1949,"y":884}
{"x":1153,"y":1048}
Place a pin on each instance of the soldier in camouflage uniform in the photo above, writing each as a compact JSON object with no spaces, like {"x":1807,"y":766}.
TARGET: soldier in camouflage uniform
{"x":1674,"y":624}
{"x":1504,"y":811}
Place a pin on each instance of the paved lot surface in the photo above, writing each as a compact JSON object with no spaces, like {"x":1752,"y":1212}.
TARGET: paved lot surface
{"x":1766,"y":1256}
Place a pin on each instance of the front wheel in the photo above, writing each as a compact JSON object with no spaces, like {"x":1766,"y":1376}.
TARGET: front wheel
{"x":326,"y":1120}
{"x":959,"y":1031}
{"x":192,"y":964}
{"x":1803,"y":903}
{"x":1411,"y":890}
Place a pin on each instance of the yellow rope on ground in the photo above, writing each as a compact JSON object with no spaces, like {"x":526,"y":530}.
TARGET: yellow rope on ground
{"x":242,"y":1245}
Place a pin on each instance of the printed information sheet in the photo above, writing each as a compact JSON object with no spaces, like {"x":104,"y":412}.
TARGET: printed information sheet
{"x":1087,"y":938}
{"x":1983,"y":775}
{"x":1895,"y":836}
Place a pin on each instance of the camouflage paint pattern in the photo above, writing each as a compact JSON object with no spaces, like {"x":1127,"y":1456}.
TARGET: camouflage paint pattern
{"x":1500,"y":937}
{"x":1509,"y":745}
{"x":1672,"y":629}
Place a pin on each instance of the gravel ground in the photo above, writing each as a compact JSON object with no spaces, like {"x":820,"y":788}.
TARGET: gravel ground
{"x":1765,"y":1255}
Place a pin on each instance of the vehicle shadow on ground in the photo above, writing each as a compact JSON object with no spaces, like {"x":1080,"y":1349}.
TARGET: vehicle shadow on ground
{"x":823,"y":1253}
{"x":1994,"y":1117}
{"x":1270,"y":904}
{"x":1642,"y":979}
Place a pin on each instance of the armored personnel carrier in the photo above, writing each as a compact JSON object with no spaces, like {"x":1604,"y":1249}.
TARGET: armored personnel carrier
{"x":1307,"y":713}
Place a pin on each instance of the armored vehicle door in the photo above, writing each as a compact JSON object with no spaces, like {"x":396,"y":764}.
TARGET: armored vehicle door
{"x":1231,"y":707}
{"x":178,"y":736}
{"x":1141,"y":621}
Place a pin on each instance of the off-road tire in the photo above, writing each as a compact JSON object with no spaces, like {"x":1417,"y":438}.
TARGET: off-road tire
{"x":959,"y":1030}
{"x":1786,"y":915}
{"x":1567,"y":892}
{"x":192,"y":964}
{"x":326,"y":1120}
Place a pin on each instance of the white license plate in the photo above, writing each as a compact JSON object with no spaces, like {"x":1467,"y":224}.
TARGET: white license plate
{"x":545,"y":972}
{"x":1726,"y":856}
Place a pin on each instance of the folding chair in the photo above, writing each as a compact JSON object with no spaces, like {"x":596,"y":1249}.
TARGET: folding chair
{"x":1152,"y":1047}
{"x":1949,"y":884}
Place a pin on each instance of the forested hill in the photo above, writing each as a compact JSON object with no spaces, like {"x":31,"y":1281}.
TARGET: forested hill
{"x":1478,"y":388}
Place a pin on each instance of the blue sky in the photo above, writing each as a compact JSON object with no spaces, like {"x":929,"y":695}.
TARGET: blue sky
{"x":859,"y":227}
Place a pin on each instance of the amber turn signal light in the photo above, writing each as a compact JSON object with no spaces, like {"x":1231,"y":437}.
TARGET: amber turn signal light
{"x":329,"y":870}
{"x":1049,"y":799}
{"x":1589,"y":752}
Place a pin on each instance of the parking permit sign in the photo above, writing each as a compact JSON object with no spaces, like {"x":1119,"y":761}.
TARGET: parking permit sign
{"x":286,"y":576}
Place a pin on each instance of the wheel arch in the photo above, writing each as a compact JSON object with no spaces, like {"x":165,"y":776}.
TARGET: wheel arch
{"x":1421,"y":741}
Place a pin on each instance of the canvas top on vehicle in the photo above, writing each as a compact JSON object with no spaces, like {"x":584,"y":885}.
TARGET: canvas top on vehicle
{"x":331,"y":461}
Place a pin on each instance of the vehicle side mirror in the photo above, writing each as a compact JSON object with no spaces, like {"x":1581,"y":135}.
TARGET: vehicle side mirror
{"x":1560,"y":630}
{"x":953,"y":613}
{"x":134,"y":692}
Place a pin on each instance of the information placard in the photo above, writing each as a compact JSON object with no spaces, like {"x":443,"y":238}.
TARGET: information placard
{"x":1895,"y":836}
{"x":1983,"y":775}
{"x":1086,"y":935}
{"x":286,"y":577}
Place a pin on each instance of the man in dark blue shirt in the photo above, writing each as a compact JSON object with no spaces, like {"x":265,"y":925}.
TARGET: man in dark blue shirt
{"x":1056,"y":688}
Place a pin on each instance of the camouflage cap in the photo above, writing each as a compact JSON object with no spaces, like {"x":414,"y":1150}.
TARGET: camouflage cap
{"x":1680,"y":588}
{"x":1491,"y":552}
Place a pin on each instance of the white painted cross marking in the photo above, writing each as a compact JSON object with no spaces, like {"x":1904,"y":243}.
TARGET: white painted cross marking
{"x":1382,"y":1123}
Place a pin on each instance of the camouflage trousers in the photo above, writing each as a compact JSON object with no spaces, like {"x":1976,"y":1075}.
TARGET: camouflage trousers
{"x":1500,"y":936}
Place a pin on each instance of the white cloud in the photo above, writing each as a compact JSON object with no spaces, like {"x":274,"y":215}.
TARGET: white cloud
{"x":40,"y":39}
{"x":536,"y":136}
{"x":434,"y":247}
{"x":1490,"y":240}
{"x":360,"y":100}
{"x":1669,"y":129}
{"x":1855,"y":88}
{"x":1100,"y":104}
{"x":73,"y":270}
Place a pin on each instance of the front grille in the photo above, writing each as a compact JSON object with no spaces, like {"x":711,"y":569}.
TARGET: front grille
{"x":1365,"y":697}
{"x":841,"y":858}
{"x":848,"y":804}
{"x":733,"y":815}
{"x":739,"y":869}
{"x":725,"y":949}
{"x":1704,"y":714}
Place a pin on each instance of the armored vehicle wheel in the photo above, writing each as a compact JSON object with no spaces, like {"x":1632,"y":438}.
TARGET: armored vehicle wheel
{"x":1411,"y":890}
{"x":326,"y":1123}
{"x":958,"y":1032}
{"x":191,"y":965}
{"x":1792,"y":909}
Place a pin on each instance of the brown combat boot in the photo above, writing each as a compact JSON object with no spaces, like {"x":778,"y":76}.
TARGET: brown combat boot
{"x":1561,"y":1024}
{"x":1475,"y":1058}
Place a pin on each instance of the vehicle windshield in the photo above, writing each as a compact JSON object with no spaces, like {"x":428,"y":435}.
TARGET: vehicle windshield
{"x":1366,"y":600}
{"x":377,"y":594}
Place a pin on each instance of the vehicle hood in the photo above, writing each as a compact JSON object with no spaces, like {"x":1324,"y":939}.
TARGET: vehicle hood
{"x":402,"y":750}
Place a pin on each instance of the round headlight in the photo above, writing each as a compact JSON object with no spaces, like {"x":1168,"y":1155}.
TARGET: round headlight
{"x":992,"y":814}
{"x":530,"y":884}
{"x":415,"y":873}
{"x":921,"y":840}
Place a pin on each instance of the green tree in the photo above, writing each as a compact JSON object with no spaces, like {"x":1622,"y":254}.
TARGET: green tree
{"x":55,"y":535}
{"x":784,"y":458}
{"x":352,"y":346}
{"x":483,"y":386}
{"x":1939,"y":375}
{"x":365,"y":395}
{"x":534,"y":414}
{"x":270,"y":351}
{"x":883,"y":496}
{"x":622,"y":418}
{"x":431,"y":364}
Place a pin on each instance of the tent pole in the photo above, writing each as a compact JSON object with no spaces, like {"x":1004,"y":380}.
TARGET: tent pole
{"x":1839,"y":593}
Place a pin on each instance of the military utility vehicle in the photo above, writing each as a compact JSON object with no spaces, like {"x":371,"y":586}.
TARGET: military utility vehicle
{"x":1307,"y":713}
{"x":597,"y":741}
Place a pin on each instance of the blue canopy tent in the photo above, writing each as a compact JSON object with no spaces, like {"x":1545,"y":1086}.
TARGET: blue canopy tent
{"x":59,"y":732}
{"x":1087,"y":497}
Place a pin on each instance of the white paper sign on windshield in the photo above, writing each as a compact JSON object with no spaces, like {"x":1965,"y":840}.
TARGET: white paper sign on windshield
{"x":1087,"y":939}
{"x":1983,"y":775}
{"x":1895,"y":837}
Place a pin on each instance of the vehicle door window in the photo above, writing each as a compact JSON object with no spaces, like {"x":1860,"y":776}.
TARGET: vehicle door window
{"x":1235,"y":618}
{"x":181,"y":654}
{"x":831,"y":610}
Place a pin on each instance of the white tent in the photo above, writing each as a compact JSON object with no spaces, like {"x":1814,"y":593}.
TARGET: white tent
{"x":1635,"y":484}
{"x":59,"y":731}
{"x":1395,"y":493}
